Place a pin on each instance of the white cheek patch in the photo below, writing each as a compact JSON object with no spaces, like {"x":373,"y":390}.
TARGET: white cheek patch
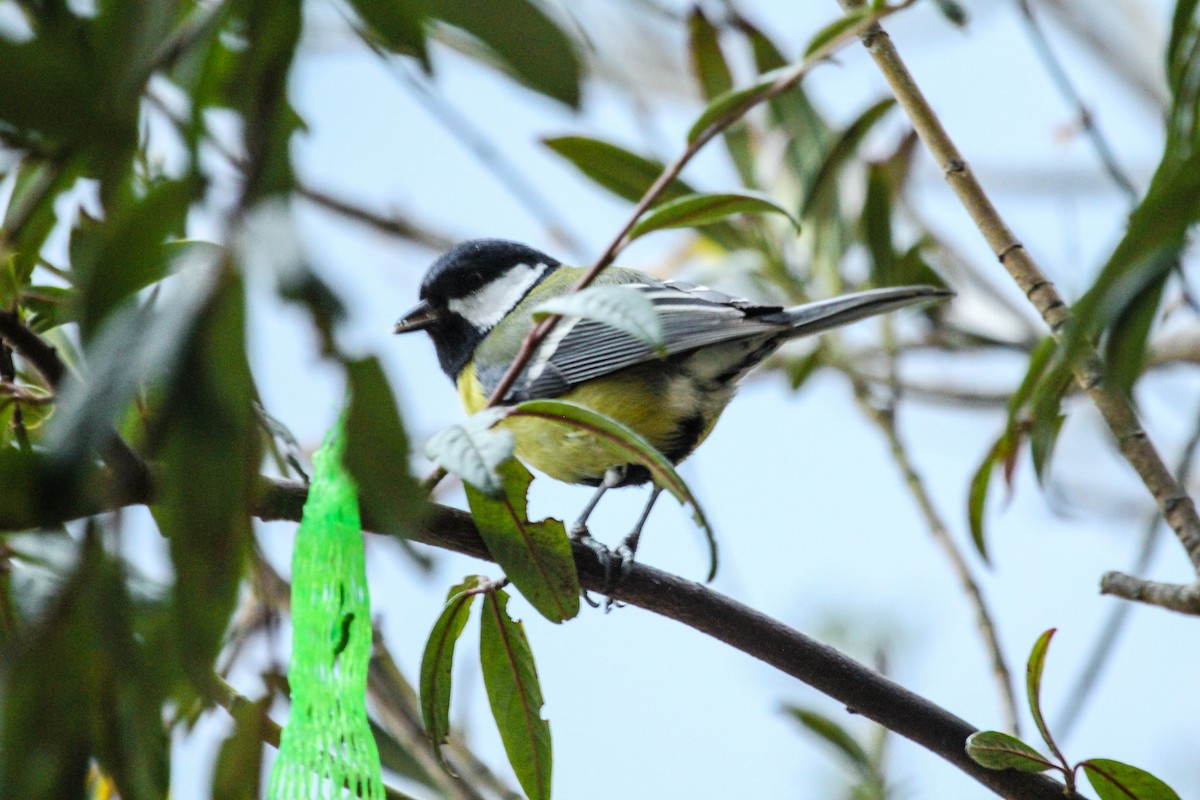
{"x":486,"y":306}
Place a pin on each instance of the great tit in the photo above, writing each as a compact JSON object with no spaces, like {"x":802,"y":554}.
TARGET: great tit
{"x":477,"y":300}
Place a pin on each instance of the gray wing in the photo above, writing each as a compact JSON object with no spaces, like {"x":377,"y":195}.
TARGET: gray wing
{"x":691,"y":316}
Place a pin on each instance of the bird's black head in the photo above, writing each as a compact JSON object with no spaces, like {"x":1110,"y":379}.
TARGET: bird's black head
{"x":469,"y":290}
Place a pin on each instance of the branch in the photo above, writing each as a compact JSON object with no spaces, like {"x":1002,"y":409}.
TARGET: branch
{"x":1177,"y":506}
{"x":862,"y":690}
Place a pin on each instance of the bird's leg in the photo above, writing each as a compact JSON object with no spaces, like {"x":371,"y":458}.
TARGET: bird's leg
{"x":579,"y":531}
{"x":628,"y":548}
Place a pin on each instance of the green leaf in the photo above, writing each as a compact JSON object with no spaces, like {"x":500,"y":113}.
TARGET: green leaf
{"x":835,"y":30}
{"x":702,"y":209}
{"x":725,"y":103}
{"x":208,"y":461}
{"x":78,"y":685}
{"x":1114,"y":780}
{"x":437,"y":662}
{"x":715,"y":78}
{"x":621,"y":172}
{"x":115,"y":258}
{"x":1033,"y":689}
{"x":398,"y":24}
{"x":877,"y":226}
{"x":824,"y":183}
{"x":615,"y":306}
{"x":377,"y":452}
{"x":48,"y":307}
{"x":625,"y":444}
{"x":524,"y":39}
{"x":515,"y":695}
{"x":473,"y":450}
{"x":996,"y":750}
{"x":977,"y":498}
{"x":536,"y":556}
{"x":835,"y":735}
{"x":952,"y":11}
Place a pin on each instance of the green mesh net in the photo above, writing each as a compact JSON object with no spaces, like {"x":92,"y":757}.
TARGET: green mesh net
{"x":327,"y":749}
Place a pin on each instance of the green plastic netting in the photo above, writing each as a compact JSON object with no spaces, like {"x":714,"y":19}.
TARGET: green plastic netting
{"x":327,"y":749}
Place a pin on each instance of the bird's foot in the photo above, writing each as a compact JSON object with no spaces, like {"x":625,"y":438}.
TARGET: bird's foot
{"x":608,"y":561}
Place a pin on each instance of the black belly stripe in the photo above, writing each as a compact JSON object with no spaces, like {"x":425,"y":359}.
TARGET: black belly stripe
{"x":685,"y":437}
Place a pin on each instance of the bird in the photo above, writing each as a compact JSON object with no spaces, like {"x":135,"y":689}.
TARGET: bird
{"x":476,"y":303}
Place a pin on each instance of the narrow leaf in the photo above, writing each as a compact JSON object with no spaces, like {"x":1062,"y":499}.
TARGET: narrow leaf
{"x":727,"y":103}
{"x":715,"y":78}
{"x":1033,"y":689}
{"x":835,"y":30}
{"x":824,"y":182}
{"x":626,"y":444}
{"x":437,"y":662}
{"x":473,"y":450}
{"x":703,"y":209}
{"x":515,"y":695}
{"x":377,"y":452}
{"x":996,"y":750}
{"x":1114,"y":780}
{"x":623,"y":173}
{"x":977,"y":499}
{"x":615,"y":306}
{"x":399,"y":24}
{"x":536,"y":556}
{"x":835,"y":735}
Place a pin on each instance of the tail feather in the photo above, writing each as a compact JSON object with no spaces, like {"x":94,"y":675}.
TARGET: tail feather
{"x":822,"y":315}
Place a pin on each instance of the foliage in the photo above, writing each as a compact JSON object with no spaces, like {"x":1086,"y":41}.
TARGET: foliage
{"x":125,"y":374}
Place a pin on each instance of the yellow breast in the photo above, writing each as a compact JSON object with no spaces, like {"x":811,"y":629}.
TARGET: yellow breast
{"x":667,"y":409}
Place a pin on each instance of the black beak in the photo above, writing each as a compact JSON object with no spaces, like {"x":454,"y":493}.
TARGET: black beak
{"x":419,"y":318}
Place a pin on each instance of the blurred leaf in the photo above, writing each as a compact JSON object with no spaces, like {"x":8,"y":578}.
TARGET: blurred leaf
{"x":38,"y":183}
{"x":793,"y":116}
{"x":702,"y":209}
{"x":398,"y":24}
{"x":615,"y":306}
{"x":395,"y":757}
{"x":237,"y":774}
{"x":48,"y":307}
{"x":1033,"y":686}
{"x":836,"y":735}
{"x":977,"y":498}
{"x":801,"y":369}
{"x":621,"y":172}
{"x":836,"y":29}
{"x":1125,"y":345}
{"x":912,"y":268}
{"x":254,"y":82}
{"x":75,"y":687}
{"x":627,"y":445}
{"x":996,"y":750}
{"x":877,"y":227}
{"x":724,"y":104}
{"x":1113,"y":780}
{"x":437,"y":662}
{"x":715,"y":78}
{"x":208,"y":460}
{"x":515,"y":695}
{"x":377,"y":452}
{"x":473,"y":450}
{"x":535,"y":556}
{"x":824,"y":183}
{"x":525,"y":40}
{"x":952,"y":11}
{"x":117,"y":257}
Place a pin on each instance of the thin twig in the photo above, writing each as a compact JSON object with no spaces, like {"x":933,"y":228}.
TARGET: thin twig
{"x":1089,"y":674}
{"x":1066,"y":88}
{"x":1132,"y":440}
{"x":394,"y":225}
{"x":885,"y":419}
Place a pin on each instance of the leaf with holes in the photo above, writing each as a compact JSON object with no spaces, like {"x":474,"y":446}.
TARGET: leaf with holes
{"x":626,"y":444}
{"x":473,"y":450}
{"x":996,"y":750}
{"x":618,"y":307}
{"x":515,"y":695}
{"x":536,"y":556}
